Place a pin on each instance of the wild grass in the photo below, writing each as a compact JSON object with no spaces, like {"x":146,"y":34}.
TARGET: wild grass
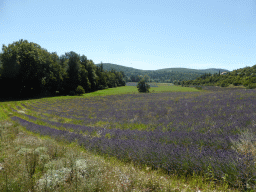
{"x":30,"y":162}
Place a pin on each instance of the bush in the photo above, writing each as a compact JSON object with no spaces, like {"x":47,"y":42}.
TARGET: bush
{"x":236,"y":83}
{"x":143,"y":86}
{"x":251,"y":86}
{"x":101,"y":87}
{"x":72,"y":93}
{"x":80,"y":90}
{"x":246,"y":83}
{"x":198,"y":87}
{"x":224,"y":84}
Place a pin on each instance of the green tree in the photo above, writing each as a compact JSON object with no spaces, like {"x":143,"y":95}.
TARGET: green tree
{"x":22,"y":67}
{"x":53,"y":74}
{"x":101,"y":67}
{"x":143,"y":86}
{"x":80,"y":90}
{"x":73,"y":70}
{"x":91,"y":68}
{"x":85,"y":83}
{"x":102,"y":79}
{"x":119,"y":79}
{"x":84,"y":61}
{"x":9,"y":66}
{"x":111,"y":80}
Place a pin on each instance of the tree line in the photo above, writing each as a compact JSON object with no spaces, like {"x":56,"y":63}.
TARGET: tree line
{"x":245,"y":77}
{"x":27,"y":70}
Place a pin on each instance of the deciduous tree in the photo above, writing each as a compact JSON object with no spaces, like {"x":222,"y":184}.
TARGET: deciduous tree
{"x":143,"y":86}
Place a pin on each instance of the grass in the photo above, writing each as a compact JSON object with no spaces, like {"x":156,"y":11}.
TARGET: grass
{"x":29,"y":162}
{"x":132,"y":90}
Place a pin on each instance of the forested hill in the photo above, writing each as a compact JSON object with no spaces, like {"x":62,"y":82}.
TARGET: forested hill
{"x":161,"y":75}
{"x":241,"y":77}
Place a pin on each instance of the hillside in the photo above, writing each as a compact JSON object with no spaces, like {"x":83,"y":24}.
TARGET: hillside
{"x":241,"y":77}
{"x":168,"y":75}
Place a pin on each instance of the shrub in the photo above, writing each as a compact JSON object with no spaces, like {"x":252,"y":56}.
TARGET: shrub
{"x":198,"y":87}
{"x":143,"y":86}
{"x":72,"y":93}
{"x":224,"y":84}
{"x":251,"y":86}
{"x":246,"y":83}
{"x":80,"y":90}
{"x":236,"y":83}
{"x":101,"y":87}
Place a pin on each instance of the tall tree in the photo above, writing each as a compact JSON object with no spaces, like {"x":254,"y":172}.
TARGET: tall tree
{"x":101,"y":67}
{"x":85,"y":83}
{"x":22,"y":66}
{"x":74,"y":66}
{"x":54,"y":74}
{"x":83,"y":60}
{"x":91,"y":68}
{"x":9,"y":71}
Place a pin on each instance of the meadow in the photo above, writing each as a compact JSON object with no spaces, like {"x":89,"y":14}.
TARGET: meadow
{"x":172,"y":139}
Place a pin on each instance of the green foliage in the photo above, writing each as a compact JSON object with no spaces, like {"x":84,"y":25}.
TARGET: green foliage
{"x":92,"y":76}
{"x":32,"y":71}
{"x":198,"y":87}
{"x":143,"y":86}
{"x":21,"y":67}
{"x":224,"y":84}
{"x":251,"y":86}
{"x":72,"y":93}
{"x":246,"y":83}
{"x":236,"y":83}
{"x":245,"y":76}
{"x":74,"y":67}
{"x":80,"y":90}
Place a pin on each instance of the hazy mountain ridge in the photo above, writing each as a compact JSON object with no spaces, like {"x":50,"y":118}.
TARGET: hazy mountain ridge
{"x":109,"y":66}
{"x":167,"y":75}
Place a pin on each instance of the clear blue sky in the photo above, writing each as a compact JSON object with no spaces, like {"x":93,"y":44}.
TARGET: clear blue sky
{"x":143,"y":34}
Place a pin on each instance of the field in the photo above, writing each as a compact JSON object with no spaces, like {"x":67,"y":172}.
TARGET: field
{"x":172,"y":139}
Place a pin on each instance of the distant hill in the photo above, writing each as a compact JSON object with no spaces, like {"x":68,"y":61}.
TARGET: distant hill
{"x":109,"y":66}
{"x":187,"y":70}
{"x":161,"y":75}
{"x":245,"y":77}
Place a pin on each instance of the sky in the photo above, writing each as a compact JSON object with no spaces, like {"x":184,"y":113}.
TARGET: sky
{"x":143,"y":34}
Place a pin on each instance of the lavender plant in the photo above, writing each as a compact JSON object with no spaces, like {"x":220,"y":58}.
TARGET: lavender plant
{"x":185,"y":132}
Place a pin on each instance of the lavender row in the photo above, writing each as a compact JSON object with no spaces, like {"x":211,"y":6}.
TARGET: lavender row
{"x":216,"y":141}
{"x":168,"y":157}
{"x":163,"y":111}
{"x":178,"y":137}
{"x":209,"y":134}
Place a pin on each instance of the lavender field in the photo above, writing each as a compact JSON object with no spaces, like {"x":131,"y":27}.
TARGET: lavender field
{"x":179,"y":132}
